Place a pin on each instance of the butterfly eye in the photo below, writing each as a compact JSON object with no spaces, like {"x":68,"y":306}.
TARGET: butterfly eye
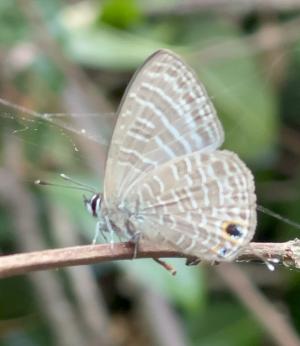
{"x":233,"y":230}
{"x":93,"y":204}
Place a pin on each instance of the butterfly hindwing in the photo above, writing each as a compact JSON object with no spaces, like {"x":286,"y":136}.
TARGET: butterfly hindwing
{"x":203,"y":204}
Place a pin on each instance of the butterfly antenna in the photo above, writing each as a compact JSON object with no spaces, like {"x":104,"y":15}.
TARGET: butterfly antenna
{"x":278,"y":216}
{"x":76,"y":184}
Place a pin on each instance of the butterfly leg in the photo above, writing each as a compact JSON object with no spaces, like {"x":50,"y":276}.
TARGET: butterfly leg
{"x":166,"y":265}
{"x":134,"y":236}
{"x":100,"y":229}
{"x":110,"y":230}
{"x":135,"y":240}
{"x":97,"y":233}
{"x":192,"y":261}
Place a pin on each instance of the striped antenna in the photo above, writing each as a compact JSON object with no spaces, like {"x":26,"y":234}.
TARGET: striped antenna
{"x":75,"y":184}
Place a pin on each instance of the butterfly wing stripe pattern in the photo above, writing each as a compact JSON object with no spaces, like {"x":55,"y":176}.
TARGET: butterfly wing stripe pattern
{"x":165,"y":113}
{"x":165,"y":178}
{"x":190,"y":210}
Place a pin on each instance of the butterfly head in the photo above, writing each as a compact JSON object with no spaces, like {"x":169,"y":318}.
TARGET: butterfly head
{"x":93,"y":204}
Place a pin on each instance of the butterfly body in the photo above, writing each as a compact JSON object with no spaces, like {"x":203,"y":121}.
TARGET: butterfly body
{"x":165,"y":179}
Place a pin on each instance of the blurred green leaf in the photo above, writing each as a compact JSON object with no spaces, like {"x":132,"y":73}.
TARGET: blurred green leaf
{"x":290,"y":93}
{"x":15,"y":297}
{"x":245,"y":101}
{"x":225,"y":323}
{"x":96,"y":44}
{"x":109,"y":48}
{"x":120,"y":13}
{"x":12,"y":24}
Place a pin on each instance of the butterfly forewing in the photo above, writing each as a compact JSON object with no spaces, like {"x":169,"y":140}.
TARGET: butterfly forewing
{"x":164,"y":113}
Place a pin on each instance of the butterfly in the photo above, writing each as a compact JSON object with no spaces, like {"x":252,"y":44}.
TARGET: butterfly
{"x":166,"y":180}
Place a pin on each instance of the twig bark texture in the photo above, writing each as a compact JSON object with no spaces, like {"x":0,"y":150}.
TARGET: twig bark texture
{"x":288,"y":254}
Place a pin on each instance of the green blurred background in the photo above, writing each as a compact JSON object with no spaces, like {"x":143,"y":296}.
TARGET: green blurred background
{"x":70,"y":61}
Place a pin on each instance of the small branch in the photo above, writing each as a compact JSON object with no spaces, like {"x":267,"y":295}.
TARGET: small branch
{"x":287,"y":253}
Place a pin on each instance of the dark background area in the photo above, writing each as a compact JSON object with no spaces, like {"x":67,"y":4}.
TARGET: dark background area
{"x":70,"y":61}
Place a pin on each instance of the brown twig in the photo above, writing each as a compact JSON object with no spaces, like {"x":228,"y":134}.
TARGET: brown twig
{"x":287,"y":253}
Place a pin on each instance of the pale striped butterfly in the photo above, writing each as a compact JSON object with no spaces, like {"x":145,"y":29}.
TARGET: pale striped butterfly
{"x":166,"y":181}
